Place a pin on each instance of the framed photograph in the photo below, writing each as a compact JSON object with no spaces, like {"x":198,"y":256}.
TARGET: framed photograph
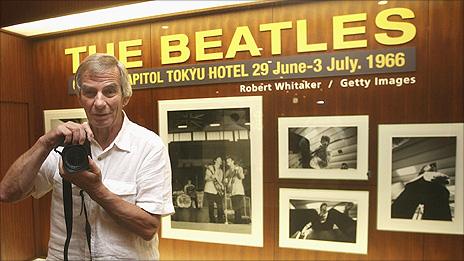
{"x":332,"y":147}
{"x":325,"y":220}
{"x":215,"y":146}
{"x":53,"y":118}
{"x":420,"y":180}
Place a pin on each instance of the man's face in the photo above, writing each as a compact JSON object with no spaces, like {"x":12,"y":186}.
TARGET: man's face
{"x":324,"y":143}
{"x":323,"y":208}
{"x":229,"y":162}
{"x":219,"y":161}
{"x":102,"y":99}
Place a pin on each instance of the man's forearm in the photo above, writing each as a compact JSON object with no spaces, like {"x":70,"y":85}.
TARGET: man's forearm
{"x":19,"y":178}
{"x":126,"y":214}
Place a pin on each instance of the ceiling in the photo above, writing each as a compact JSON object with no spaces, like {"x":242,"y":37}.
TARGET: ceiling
{"x":16,"y":12}
{"x":24,"y":11}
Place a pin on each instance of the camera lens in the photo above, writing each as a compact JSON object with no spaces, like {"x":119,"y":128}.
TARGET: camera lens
{"x":75,"y":158}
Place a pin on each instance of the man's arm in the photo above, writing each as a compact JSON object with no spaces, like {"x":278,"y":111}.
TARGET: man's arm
{"x":127,"y":215}
{"x":19,"y":179}
{"x":207,"y":174}
{"x":240,"y":173}
{"x":329,"y":156}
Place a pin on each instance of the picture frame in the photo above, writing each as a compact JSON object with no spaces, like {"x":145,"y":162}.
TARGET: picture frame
{"x":53,"y":118}
{"x":422,"y":165}
{"x":344,"y":228}
{"x":197,"y":133}
{"x":323,"y":147}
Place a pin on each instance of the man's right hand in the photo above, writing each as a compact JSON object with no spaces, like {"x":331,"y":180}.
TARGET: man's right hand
{"x":69,"y":133}
{"x":19,"y":179}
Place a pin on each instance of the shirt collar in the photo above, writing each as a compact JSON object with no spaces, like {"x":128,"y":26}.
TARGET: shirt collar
{"x":122,"y":141}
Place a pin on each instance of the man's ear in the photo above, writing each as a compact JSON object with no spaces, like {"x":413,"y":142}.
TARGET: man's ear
{"x":79,"y":96}
{"x":125,"y":101}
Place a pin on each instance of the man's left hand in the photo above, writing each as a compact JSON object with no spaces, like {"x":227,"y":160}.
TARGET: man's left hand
{"x":88,"y":180}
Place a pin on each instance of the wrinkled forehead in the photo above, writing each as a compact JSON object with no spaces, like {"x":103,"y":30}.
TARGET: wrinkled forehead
{"x":100,"y":71}
{"x":101,"y":75}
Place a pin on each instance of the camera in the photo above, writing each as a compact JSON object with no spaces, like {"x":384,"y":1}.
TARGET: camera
{"x":74,"y":156}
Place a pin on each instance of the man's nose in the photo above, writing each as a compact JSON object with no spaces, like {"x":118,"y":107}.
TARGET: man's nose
{"x":100,"y":100}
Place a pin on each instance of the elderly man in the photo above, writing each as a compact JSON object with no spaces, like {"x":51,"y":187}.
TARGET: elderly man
{"x":124,"y":191}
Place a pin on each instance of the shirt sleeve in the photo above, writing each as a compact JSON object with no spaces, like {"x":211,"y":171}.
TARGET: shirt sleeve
{"x":154,"y":190}
{"x":43,"y":182}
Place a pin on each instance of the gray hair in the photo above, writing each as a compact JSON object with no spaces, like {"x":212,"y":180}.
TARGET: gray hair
{"x":100,"y":62}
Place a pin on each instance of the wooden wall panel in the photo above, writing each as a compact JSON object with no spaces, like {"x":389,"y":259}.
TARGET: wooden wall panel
{"x":42,"y":224}
{"x":53,"y":77}
{"x":1,"y":162}
{"x":17,"y":240}
{"x":446,"y":97}
{"x":17,"y":224}
{"x":43,"y":82}
{"x":42,"y":56}
{"x":446,"y":61}
{"x":16,"y":67}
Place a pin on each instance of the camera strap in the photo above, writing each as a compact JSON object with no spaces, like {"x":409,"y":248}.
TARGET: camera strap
{"x":87,"y":224}
{"x":68,"y":215}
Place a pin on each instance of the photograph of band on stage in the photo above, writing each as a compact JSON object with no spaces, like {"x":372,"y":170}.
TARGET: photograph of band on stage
{"x":210,"y":157}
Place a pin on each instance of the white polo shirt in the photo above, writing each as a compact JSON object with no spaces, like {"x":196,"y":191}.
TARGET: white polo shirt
{"x":137,"y":168}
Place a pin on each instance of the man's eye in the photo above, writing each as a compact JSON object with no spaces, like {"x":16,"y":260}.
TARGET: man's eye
{"x":109,"y":92}
{"x":89,"y":93}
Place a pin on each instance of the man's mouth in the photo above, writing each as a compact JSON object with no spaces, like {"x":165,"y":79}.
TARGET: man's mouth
{"x":101,"y":114}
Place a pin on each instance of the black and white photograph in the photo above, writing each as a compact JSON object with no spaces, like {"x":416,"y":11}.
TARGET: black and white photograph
{"x":329,"y":220}
{"x":422,"y":163}
{"x":214,"y":145}
{"x":332,"y":147}
{"x":53,"y":118}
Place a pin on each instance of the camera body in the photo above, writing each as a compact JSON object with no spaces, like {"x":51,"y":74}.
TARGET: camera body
{"x":74,"y":156}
